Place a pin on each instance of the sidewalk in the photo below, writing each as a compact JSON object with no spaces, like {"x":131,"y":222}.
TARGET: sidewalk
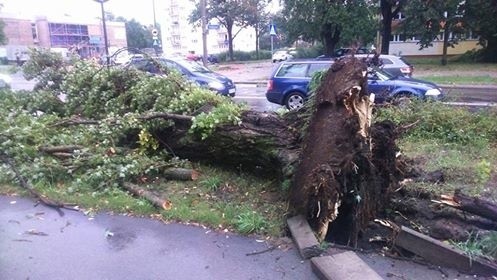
{"x":36,"y":243}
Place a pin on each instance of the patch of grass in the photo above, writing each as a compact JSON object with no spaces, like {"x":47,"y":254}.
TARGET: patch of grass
{"x":423,"y":64}
{"x":219,"y":199}
{"x":472,"y":247}
{"x":489,"y":245}
{"x":464,"y":166}
{"x":460,"y":79}
{"x":456,"y":141}
{"x":211,"y":183}
{"x":250,"y":222}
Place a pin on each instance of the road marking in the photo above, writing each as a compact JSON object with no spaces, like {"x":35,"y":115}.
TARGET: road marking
{"x":475,"y":104}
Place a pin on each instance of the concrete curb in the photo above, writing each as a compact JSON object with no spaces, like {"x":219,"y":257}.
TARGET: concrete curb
{"x":343,"y":266}
{"x":443,"y":254}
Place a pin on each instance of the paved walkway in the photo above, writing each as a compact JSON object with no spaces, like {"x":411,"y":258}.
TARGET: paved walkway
{"x":37,"y":243}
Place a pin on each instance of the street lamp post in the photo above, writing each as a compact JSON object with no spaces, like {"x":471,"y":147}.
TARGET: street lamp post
{"x":107,"y":57}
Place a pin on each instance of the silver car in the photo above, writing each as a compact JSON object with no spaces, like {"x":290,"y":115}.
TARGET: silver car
{"x":394,"y":65}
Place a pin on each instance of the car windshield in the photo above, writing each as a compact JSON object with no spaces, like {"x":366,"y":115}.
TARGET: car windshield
{"x":192,"y":66}
{"x":381,"y":74}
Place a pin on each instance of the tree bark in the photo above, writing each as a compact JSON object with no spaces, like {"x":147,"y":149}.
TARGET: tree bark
{"x":148,"y":195}
{"x":336,"y":182}
{"x":264,"y":143}
{"x":473,"y":205}
{"x":185,"y":174}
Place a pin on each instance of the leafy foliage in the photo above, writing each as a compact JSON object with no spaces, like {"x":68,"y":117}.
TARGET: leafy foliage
{"x":137,"y":35}
{"x":47,"y":68}
{"x":428,"y":19}
{"x":330,"y":22}
{"x":116,"y":145}
{"x":231,"y":14}
{"x":480,"y":17}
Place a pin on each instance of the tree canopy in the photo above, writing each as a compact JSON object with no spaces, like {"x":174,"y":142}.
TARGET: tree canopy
{"x":137,"y":35}
{"x":231,"y":13}
{"x":480,"y":17}
{"x":3,"y":38}
{"x":333,"y":23}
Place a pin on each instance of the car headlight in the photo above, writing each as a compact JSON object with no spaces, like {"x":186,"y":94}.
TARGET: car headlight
{"x":433,"y":92}
{"x":216,"y":85}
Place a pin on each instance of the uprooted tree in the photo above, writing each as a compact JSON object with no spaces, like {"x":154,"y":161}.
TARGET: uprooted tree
{"x":119,"y":127}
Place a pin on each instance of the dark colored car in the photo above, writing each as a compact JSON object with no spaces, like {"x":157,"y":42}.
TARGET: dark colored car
{"x":192,"y":71}
{"x":289,"y":84}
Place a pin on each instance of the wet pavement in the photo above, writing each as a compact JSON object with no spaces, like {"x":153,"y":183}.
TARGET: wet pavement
{"x":37,"y":243}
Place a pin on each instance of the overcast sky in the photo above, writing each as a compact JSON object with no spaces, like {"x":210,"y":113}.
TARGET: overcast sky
{"x":141,"y":10}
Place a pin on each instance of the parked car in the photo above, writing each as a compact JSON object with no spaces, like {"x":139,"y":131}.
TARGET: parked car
{"x":343,"y":51}
{"x":395,"y":65}
{"x":5,"y":81}
{"x":192,"y":56}
{"x":289,"y":84}
{"x":281,"y":56}
{"x":192,"y":71}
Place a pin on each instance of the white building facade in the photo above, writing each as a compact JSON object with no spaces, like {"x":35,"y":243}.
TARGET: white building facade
{"x":179,"y":36}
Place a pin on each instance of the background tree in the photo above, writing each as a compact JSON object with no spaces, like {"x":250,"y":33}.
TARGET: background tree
{"x":433,"y":20}
{"x":138,"y":35}
{"x":332,"y":22}
{"x":257,"y":17}
{"x":3,"y":38}
{"x":480,"y":16}
{"x":389,"y":9}
{"x":228,"y":13}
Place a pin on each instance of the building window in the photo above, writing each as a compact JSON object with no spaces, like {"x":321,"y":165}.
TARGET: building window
{"x":34,"y":32}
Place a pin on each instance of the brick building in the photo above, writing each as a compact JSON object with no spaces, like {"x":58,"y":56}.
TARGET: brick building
{"x":60,"y":34}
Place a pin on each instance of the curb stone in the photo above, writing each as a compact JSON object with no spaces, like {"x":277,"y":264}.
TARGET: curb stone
{"x":345,"y":265}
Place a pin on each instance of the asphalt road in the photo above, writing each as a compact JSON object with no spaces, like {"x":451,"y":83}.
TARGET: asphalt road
{"x":253,"y":93}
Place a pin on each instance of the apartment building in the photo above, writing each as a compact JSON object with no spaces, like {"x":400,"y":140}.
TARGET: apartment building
{"x":409,"y":46}
{"x":179,"y":36}
{"x":62,"y":34}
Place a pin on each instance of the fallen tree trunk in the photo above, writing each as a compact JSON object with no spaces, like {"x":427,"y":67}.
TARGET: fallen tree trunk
{"x":186,"y":174}
{"x":473,"y":205}
{"x":264,"y":143}
{"x":148,"y":195}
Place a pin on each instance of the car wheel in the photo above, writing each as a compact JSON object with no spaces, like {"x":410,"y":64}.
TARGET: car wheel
{"x":294,"y":100}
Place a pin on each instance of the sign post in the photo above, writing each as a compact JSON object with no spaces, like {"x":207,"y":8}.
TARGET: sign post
{"x":272,"y":33}
{"x":155,"y":41}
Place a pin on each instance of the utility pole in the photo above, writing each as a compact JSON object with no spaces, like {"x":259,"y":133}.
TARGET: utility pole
{"x":106,"y":43}
{"x":446,"y":38}
{"x":203,"y":7}
{"x":153,"y":8}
